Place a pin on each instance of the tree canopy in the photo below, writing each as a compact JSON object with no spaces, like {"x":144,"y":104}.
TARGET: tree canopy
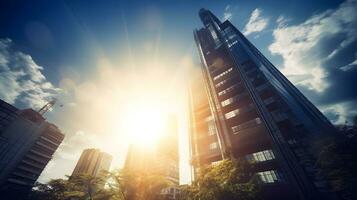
{"x":117,"y":185}
{"x":230,"y":179}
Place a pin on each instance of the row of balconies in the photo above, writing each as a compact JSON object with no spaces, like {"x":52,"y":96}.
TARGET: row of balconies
{"x":40,"y":154}
{"x":37,"y":159}
{"x":30,"y":169}
{"x":26,"y":175}
{"x":55,"y":136}
{"x":33,"y":163}
{"x":49,"y":148}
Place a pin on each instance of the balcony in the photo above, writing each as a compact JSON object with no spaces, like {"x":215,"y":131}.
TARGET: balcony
{"x":244,"y":120}
{"x":37,"y":158}
{"x":241,"y":111}
{"x":250,"y":139}
{"x":243,"y":101}
{"x":29,"y":169}
{"x":34,"y":164}
{"x":228,"y":81}
{"x":232,"y":90}
{"x":205,"y":157}
{"x":40,"y":154}
{"x":48,"y":138}
{"x":48,"y":147}
{"x":34,"y":178}
{"x":223,"y":74}
{"x":20,"y":182}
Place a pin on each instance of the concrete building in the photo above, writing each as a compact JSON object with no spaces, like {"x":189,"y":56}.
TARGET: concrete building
{"x":27,"y":143}
{"x":244,"y":107}
{"x":92,"y":162}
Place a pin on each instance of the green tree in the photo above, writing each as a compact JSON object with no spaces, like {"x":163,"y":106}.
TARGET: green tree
{"x":53,"y":190}
{"x":117,"y":185}
{"x":88,"y":187}
{"x":136,"y":185}
{"x":337,"y":162}
{"x":79,"y":187}
{"x":230,"y":179}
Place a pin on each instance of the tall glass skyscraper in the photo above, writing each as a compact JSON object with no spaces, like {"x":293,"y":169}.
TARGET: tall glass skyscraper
{"x":242,"y":106}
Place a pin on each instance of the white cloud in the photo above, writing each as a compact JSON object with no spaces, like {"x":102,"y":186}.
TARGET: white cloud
{"x":341,"y":112}
{"x":299,"y":45}
{"x":21,"y":79}
{"x":256,"y":23}
{"x":282,"y":21}
{"x":227,"y":15}
{"x":350,"y":66}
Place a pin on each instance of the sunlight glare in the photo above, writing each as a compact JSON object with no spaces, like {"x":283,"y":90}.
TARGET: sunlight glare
{"x":144,"y":122}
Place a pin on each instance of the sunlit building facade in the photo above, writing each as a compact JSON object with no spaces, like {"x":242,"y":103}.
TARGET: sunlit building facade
{"x":92,"y":162}
{"x":162,"y":159}
{"x":241,"y":105}
{"x":204,"y":142}
{"x":27,"y":143}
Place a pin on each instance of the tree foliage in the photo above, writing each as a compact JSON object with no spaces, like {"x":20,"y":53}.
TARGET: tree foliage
{"x":138,"y":185}
{"x":337,"y":162}
{"x":117,"y":185}
{"x":230,"y":179}
{"x":75,"y":188}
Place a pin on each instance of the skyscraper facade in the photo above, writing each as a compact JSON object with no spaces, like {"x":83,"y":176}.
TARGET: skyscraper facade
{"x":162,"y":159}
{"x":92,"y":162}
{"x":248,"y":109}
{"x":27,"y":143}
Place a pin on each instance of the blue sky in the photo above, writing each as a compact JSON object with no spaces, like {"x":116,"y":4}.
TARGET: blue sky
{"x":54,"y":48}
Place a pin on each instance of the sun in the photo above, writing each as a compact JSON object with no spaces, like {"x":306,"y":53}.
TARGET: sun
{"x":143,"y":122}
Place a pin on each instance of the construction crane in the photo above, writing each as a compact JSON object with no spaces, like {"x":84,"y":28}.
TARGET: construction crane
{"x":47,"y":107}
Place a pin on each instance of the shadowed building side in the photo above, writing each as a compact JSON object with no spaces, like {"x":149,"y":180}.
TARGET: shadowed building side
{"x":258,"y":115}
{"x":27,"y":143}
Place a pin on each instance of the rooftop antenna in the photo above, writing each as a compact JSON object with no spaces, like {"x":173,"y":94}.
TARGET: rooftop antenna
{"x":47,"y":107}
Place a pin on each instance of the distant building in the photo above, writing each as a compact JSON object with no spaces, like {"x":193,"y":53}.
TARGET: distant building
{"x":92,"y":162}
{"x":167,"y":160}
{"x":242,"y":106}
{"x":27,"y":143}
{"x":162,"y":160}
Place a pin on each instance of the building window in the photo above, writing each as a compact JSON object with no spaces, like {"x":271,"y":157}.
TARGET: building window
{"x":232,"y":99}
{"x":233,"y":43}
{"x":260,"y":156}
{"x":292,"y":142}
{"x":238,"y":111}
{"x":232,"y":114}
{"x":223,"y":73}
{"x":271,"y":176}
{"x":213,"y":145}
{"x":246,"y":125}
{"x":229,"y":32}
{"x":262,"y":87}
{"x":279,"y":116}
{"x":230,"y":88}
{"x":269,"y":100}
{"x":211,"y":129}
{"x":221,"y":83}
{"x":227,"y":102}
